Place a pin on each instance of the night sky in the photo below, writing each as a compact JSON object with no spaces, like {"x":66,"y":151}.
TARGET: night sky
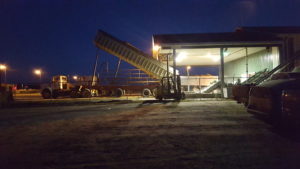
{"x":57,"y":35}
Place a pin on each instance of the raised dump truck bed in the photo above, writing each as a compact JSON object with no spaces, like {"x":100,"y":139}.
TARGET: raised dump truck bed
{"x":132,"y":55}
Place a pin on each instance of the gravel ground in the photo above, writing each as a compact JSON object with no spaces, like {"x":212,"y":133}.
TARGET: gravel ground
{"x":122,"y":135}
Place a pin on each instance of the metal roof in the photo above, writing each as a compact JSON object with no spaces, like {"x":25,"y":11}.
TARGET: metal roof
{"x":274,"y":30}
{"x":213,"y":38}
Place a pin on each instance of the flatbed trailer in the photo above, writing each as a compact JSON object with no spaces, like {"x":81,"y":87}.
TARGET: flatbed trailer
{"x":124,"y":90}
{"x":128,"y":82}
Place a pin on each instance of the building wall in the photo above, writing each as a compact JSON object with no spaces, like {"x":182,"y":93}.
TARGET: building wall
{"x":295,"y":39}
{"x":265,"y":59}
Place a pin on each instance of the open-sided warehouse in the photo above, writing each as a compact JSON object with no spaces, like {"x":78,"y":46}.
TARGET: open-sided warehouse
{"x":237,"y":55}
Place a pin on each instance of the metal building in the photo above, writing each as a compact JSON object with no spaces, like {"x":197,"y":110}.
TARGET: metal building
{"x":238,"y":55}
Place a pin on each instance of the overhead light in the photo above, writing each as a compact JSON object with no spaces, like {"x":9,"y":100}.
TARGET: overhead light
{"x":215,"y":58}
{"x":181,"y":56}
{"x":156,"y":47}
{"x":225,"y":53}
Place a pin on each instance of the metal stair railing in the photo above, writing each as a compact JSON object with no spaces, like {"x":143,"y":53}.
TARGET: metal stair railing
{"x":254,"y":78}
{"x":279,"y":68}
{"x":211,"y":87}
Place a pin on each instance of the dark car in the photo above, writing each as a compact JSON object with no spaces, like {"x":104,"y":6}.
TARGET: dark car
{"x":273,"y":98}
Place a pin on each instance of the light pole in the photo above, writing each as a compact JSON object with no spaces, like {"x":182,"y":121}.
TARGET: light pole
{"x":3,"y":68}
{"x":38,"y":72}
{"x":188,"y":75}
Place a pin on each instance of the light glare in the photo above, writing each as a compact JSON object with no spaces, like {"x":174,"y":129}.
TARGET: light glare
{"x":2,"y":67}
{"x":156,"y":48}
{"x":37,"y":72}
{"x":181,"y":56}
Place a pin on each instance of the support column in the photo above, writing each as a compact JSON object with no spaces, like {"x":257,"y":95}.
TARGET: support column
{"x":95,"y":68}
{"x":247,"y":70}
{"x":174,"y":70}
{"x":221,"y":73}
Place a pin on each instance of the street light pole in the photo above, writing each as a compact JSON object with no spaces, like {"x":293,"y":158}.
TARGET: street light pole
{"x":3,"y":68}
{"x":5,"y":76}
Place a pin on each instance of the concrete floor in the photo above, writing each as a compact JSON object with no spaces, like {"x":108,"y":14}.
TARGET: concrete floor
{"x":142,"y":134}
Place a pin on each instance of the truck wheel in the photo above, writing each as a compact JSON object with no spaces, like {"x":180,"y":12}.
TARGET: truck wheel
{"x":146,"y":92}
{"x":119,"y":92}
{"x":55,"y":94}
{"x":46,"y":94}
{"x":86,"y":93}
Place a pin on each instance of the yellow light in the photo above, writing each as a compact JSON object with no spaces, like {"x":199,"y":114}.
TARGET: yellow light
{"x":3,"y":67}
{"x":75,"y":77}
{"x":188,"y":67}
{"x":156,"y":48}
{"x":37,"y":72}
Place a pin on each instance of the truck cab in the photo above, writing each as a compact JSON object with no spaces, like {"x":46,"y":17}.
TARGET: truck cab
{"x":59,"y":87}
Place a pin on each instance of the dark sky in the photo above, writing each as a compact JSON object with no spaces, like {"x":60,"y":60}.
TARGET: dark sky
{"x":57,"y":35}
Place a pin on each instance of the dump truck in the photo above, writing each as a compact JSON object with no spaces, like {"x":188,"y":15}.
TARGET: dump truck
{"x":154,"y":68}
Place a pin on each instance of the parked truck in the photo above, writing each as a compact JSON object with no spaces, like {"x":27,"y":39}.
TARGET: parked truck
{"x":60,"y":86}
{"x":84,"y":87}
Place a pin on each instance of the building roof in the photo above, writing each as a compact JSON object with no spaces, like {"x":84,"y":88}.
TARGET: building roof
{"x":213,"y":37}
{"x":274,"y":30}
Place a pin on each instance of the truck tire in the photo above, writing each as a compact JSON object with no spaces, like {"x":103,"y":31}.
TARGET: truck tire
{"x":119,"y":92}
{"x":46,"y":94}
{"x":146,"y":92}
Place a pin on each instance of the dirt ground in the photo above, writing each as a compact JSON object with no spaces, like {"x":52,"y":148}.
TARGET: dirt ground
{"x":125,"y":135}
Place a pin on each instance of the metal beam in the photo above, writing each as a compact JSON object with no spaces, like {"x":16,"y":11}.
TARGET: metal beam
{"x":174,"y":70}
{"x":197,"y":46}
{"x":95,"y":67}
{"x":221,"y":74}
